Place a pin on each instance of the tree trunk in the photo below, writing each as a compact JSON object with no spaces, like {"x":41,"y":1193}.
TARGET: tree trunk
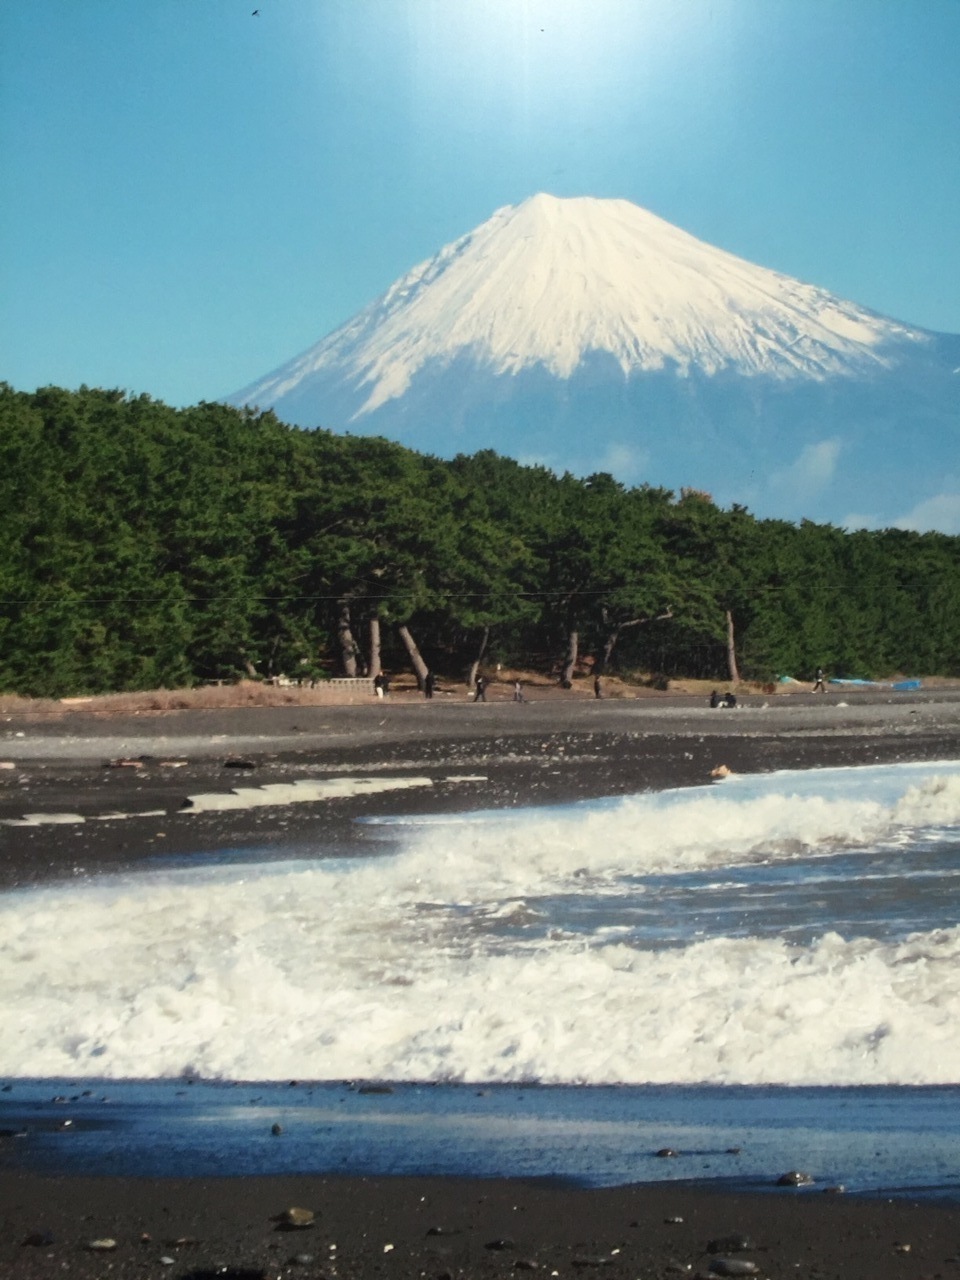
{"x":419,"y":666}
{"x":475,"y":665}
{"x":375,"y":668}
{"x":609,"y":645}
{"x":348,"y":646}
{"x":731,"y":651}
{"x":570,"y":661}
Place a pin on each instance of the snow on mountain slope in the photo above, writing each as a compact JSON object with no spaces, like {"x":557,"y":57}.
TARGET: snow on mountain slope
{"x":589,"y":335}
{"x":550,"y":282}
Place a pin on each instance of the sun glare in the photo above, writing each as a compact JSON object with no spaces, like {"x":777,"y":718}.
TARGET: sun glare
{"x":542,"y":52}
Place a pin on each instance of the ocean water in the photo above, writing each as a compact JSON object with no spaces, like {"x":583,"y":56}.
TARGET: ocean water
{"x":791,"y":935}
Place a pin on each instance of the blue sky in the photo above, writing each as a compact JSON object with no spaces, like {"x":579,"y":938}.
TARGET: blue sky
{"x":192,"y":194}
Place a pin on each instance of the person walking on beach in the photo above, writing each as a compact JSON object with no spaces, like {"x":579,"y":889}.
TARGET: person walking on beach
{"x":518,"y":692}
{"x":429,"y":684}
{"x":597,"y":687}
{"x":819,"y":686}
{"x":481,"y":687}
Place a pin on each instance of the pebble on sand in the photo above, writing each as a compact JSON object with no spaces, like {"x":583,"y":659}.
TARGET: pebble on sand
{"x":295,"y":1219}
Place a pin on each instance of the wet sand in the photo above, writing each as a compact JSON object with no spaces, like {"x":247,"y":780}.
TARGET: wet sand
{"x":393,"y":1228}
{"x":543,"y":752}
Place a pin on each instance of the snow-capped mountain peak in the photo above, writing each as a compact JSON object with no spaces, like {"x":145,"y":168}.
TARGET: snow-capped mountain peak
{"x":550,"y":282}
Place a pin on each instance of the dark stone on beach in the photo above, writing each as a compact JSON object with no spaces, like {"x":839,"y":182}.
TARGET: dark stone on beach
{"x":665,"y":1153}
{"x":526,"y":1264}
{"x":794,"y":1179}
{"x":276,"y":1130}
{"x":504,"y":1243}
{"x":239,"y":764}
{"x":39,"y":1239}
{"x":443,"y":1231}
{"x":583,"y":1260}
{"x":733,"y":1267}
{"x":730,"y":1244}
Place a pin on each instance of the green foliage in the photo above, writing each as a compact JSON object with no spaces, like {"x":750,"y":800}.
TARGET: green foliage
{"x":143,"y":546}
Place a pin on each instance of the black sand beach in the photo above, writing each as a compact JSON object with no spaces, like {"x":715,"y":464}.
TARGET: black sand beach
{"x":503,"y":754}
{"x":110,"y":769}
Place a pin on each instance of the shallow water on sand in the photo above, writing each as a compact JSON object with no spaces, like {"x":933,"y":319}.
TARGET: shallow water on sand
{"x":871,"y":1141}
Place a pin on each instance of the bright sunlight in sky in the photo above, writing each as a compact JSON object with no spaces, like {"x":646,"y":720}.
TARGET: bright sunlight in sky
{"x":191,"y":192}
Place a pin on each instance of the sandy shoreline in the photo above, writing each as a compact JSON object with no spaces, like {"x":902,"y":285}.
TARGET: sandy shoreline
{"x":129,"y":778}
{"x":504,"y":755}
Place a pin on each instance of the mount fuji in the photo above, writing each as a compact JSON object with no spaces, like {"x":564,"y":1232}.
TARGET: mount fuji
{"x":590,"y":335}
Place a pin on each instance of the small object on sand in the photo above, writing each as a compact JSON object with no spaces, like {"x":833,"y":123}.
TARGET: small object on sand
{"x":730,"y":1244}
{"x":526,"y":1264}
{"x":902,"y":1248}
{"x":106,"y":1244}
{"x":388,"y":1248}
{"x":721,"y":771}
{"x":235,"y":763}
{"x":794,"y":1179}
{"x":124,"y":764}
{"x":276,"y":1130}
{"x":499,"y":1245}
{"x":733,"y":1267}
{"x":665,"y":1153}
{"x":7,"y":764}
{"x":674,"y":1221}
{"x":302,"y":1259}
{"x":296,"y":1219}
{"x":166,"y":1261}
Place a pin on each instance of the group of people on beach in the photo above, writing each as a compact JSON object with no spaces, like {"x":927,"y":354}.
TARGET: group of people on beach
{"x":727,"y":699}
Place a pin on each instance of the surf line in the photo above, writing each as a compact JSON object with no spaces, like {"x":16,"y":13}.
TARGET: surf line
{"x":276,"y":794}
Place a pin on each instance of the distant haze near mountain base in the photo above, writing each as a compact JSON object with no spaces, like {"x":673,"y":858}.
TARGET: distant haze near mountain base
{"x":589,"y":335}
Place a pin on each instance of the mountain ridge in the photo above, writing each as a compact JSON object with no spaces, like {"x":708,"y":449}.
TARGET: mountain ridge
{"x":603,"y":310}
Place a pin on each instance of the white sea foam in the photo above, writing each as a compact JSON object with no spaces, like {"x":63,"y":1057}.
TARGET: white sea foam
{"x":399,"y":966}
